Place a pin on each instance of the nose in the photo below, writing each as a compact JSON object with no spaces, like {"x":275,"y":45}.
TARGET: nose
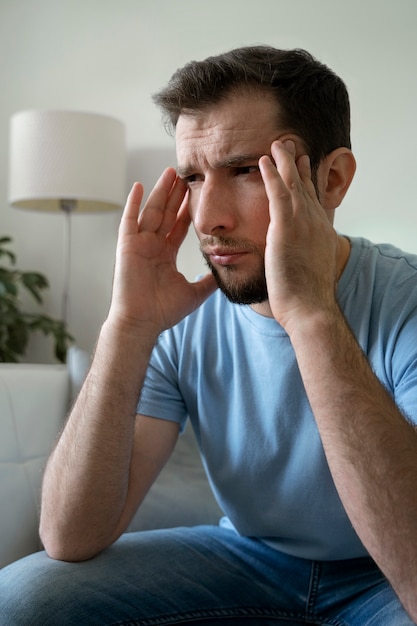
{"x":212,"y":209}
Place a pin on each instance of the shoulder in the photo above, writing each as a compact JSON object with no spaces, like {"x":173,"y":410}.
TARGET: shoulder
{"x":378,"y":288}
{"x":386,"y":256}
{"x":378,"y":268}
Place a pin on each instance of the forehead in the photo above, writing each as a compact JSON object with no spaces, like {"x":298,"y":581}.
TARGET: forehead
{"x":244,"y":124}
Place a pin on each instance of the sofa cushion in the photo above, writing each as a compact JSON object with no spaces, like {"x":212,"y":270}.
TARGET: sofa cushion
{"x":34,"y":402}
{"x":181,"y":495}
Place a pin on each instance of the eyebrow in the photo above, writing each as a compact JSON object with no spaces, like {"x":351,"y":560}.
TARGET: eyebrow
{"x":232,"y":160}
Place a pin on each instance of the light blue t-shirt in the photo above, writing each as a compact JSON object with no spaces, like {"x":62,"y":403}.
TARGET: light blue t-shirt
{"x":234,"y":374}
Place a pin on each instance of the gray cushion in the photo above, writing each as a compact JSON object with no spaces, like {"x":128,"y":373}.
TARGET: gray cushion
{"x":181,"y":496}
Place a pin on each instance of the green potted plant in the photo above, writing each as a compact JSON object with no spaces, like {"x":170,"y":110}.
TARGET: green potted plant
{"x":16,"y":325}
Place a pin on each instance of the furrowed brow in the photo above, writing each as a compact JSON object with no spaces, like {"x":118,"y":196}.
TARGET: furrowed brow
{"x":232,"y":160}
{"x":185,"y":171}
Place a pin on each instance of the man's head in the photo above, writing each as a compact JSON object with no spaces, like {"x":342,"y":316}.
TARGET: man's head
{"x":226,"y":112}
{"x":312,"y":100}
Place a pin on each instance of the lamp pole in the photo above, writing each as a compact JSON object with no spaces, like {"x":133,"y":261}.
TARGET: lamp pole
{"x":68,"y":206}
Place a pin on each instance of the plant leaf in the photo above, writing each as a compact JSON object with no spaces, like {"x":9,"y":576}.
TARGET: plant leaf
{"x":34,"y":283}
{"x":16,"y":325}
{"x":11,"y":255}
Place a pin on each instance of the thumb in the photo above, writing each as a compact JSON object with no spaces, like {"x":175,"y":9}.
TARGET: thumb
{"x":203,"y":288}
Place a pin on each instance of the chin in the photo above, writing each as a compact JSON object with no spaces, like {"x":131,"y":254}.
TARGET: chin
{"x":241,"y":291}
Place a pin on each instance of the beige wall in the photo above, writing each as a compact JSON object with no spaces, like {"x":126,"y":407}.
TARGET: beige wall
{"x":109,"y":57}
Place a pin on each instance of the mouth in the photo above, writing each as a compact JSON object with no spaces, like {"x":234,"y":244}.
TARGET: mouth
{"x":223,"y":256}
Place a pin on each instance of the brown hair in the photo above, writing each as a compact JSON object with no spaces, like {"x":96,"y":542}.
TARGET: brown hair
{"x":313,"y":100}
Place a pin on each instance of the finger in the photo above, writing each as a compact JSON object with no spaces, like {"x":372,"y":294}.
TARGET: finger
{"x":282,"y":176}
{"x":304,"y":171}
{"x":280,"y":204}
{"x":295,"y":171}
{"x":182,"y":224}
{"x":173,"y":206}
{"x":285,"y":155}
{"x":203,"y":288}
{"x":129,"y":220}
{"x":304,"y":167}
{"x":152,"y":215}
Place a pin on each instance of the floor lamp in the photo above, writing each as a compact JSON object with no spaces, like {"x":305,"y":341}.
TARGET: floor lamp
{"x":66,"y":161}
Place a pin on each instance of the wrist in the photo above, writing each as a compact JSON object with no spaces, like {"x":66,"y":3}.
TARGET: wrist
{"x":317,"y":326}
{"x":120,"y":334}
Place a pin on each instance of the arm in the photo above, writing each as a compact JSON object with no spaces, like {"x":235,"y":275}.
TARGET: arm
{"x":370,"y":446}
{"x":107,"y":457}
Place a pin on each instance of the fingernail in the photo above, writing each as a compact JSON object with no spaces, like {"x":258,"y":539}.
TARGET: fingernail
{"x":290,"y":146}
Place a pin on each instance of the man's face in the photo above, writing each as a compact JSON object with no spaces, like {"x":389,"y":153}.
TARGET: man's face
{"x":218,"y":151}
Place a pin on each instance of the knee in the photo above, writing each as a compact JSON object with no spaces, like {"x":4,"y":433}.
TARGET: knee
{"x":33,"y":588}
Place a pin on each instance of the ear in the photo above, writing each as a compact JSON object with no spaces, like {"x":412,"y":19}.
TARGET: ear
{"x":335,"y":173}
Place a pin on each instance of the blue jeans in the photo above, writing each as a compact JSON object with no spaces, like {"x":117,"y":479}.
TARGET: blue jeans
{"x":200,"y":576}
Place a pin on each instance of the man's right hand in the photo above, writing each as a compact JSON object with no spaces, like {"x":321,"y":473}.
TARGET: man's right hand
{"x":107,"y":457}
{"x":148,"y":291}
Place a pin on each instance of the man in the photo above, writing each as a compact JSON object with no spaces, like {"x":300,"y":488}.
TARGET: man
{"x":299,"y":376}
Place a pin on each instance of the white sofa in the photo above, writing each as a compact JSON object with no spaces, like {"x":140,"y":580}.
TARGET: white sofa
{"x":34,"y":401}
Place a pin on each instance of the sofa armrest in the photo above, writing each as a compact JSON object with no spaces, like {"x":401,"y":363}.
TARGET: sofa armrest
{"x":33,"y":404}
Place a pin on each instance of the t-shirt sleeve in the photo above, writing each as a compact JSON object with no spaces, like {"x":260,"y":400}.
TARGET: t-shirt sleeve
{"x":161,"y":396}
{"x":404,"y":368}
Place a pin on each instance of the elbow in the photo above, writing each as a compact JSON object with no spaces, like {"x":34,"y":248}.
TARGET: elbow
{"x":64,"y":551}
{"x":59,"y":551}
{"x":61,"y":546}
{"x":68,"y":554}
{"x":74,"y":538}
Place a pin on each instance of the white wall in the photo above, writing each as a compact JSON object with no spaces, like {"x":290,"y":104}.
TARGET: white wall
{"x":109,"y":57}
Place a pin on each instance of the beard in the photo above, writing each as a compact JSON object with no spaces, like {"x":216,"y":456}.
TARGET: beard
{"x":247,"y":290}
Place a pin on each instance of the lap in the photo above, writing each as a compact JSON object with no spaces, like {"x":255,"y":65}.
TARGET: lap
{"x":192,"y":575}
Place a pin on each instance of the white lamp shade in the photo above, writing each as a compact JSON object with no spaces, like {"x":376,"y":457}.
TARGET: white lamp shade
{"x":67,"y":155}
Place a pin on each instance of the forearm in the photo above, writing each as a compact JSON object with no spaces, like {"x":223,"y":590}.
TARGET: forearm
{"x":87,"y":477}
{"x":370,"y":446}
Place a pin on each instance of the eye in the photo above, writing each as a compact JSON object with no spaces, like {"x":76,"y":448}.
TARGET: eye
{"x":246,"y":169}
{"x":192,"y":179}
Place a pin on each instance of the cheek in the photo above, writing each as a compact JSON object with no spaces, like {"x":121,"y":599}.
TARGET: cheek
{"x":255,"y":212}
{"x":192,"y":202}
